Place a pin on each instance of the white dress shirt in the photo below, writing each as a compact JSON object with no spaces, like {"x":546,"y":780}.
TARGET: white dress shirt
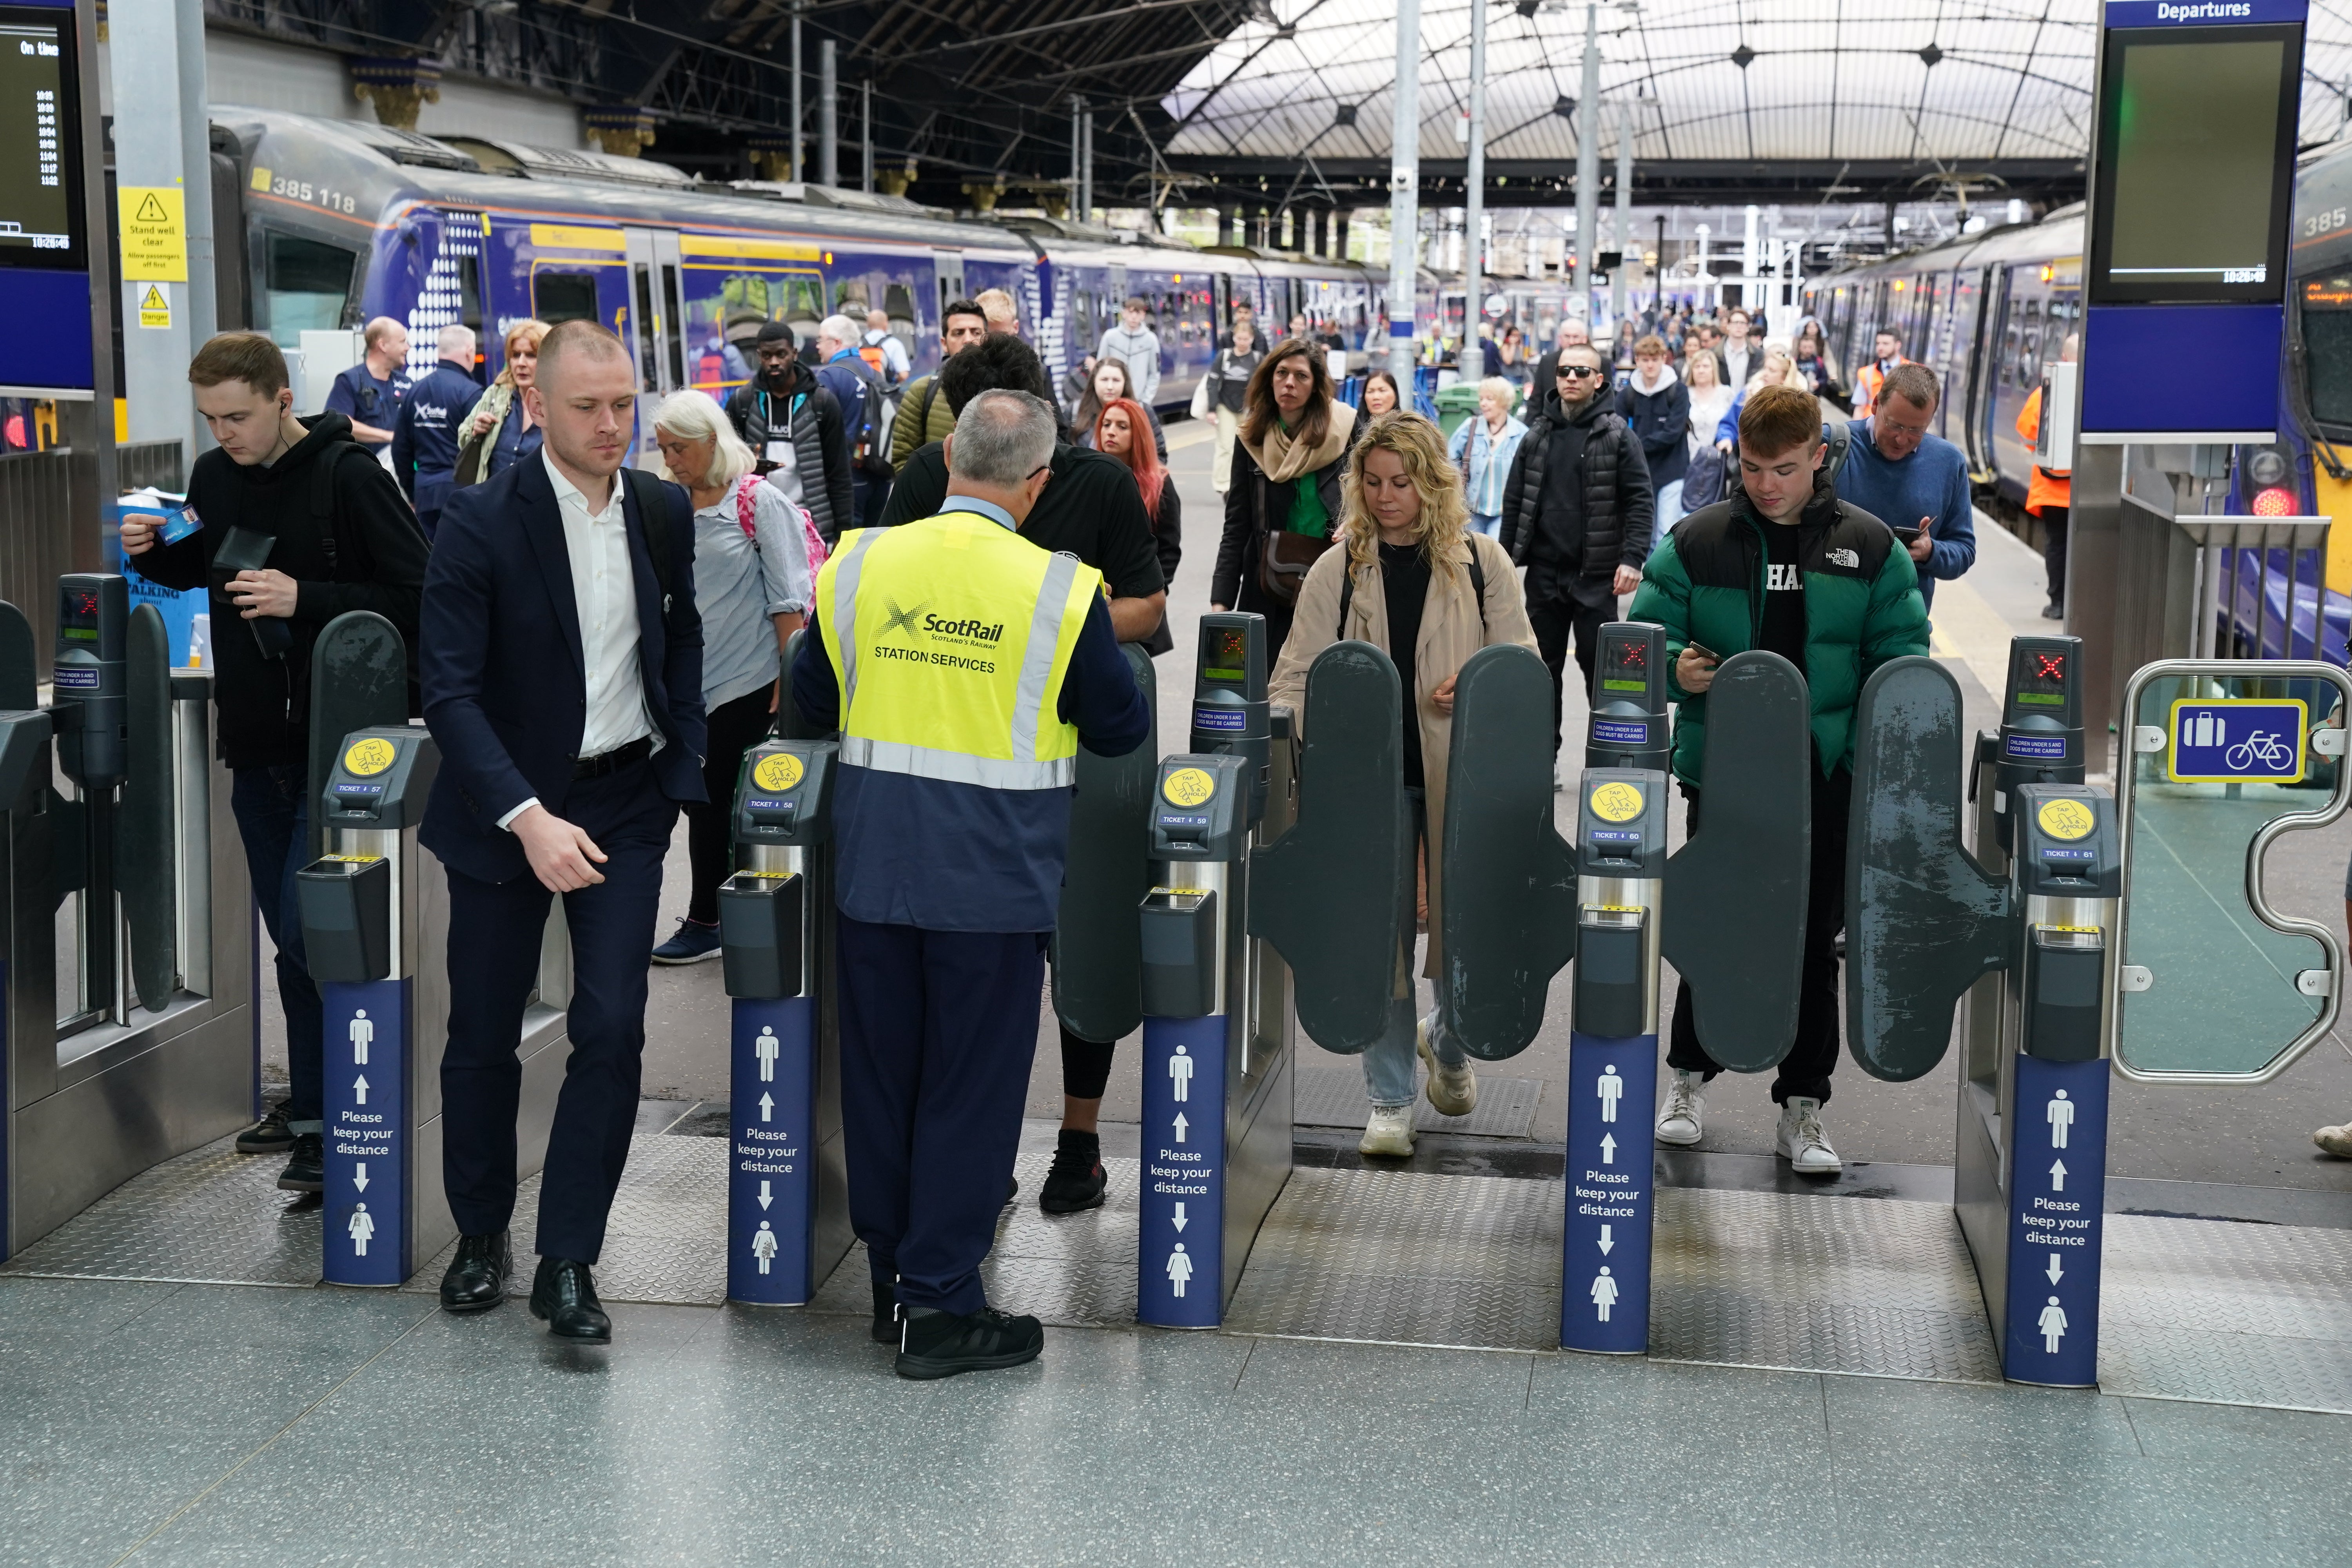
{"x":604,"y":590}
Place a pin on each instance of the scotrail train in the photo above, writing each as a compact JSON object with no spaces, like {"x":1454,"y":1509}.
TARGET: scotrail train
{"x":1985,"y":312}
{"x":343,"y":221}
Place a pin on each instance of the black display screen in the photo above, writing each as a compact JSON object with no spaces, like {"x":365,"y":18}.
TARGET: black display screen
{"x":1625,"y":664}
{"x":41,"y":216}
{"x":1224,"y":654}
{"x":2041,"y":676}
{"x":2196,"y":165}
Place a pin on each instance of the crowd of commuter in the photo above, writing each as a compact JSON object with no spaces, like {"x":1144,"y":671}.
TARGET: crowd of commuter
{"x":1686,"y":475}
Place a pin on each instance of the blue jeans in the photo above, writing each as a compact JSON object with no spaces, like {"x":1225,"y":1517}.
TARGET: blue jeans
{"x":1388,"y":1061}
{"x":1489,"y":524}
{"x":272,"y":806}
{"x":1669,"y":512}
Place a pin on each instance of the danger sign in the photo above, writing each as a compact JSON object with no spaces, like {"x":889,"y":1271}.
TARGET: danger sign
{"x":155,"y":234}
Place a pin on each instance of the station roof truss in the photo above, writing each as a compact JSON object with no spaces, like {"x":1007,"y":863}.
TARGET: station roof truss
{"x":1732,"y":100}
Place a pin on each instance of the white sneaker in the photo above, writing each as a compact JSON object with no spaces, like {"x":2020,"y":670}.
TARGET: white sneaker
{"x":2337,"y":1141}
{"x":1389,"y":1131}
{"x":1453,"y":1088}
{"x":1678,"y":1123}
{"x":1559,"y":780}
{"x":1801,"y":1140}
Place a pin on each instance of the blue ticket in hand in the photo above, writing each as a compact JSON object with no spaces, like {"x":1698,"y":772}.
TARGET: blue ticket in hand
{"x":178,"y":524}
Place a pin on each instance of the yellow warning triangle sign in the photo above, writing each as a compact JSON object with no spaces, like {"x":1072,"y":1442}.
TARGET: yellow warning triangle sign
{"x":154,"y":299}
{"x":150,"y":211}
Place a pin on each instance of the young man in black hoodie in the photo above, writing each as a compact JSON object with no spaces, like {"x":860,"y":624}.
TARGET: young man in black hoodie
{"x":793,"y":424}
{"x":344,"y":540}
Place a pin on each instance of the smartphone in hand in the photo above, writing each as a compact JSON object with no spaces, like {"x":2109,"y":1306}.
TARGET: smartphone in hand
{"x":1704,"y":652}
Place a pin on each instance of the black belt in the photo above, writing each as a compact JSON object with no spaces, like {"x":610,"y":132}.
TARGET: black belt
{"x":614,"y":760}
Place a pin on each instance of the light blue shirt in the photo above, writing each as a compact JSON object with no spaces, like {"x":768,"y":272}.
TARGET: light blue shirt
{"x":1485,"y":459}
{"x":987,"y":509}
{"x":740,"y":581}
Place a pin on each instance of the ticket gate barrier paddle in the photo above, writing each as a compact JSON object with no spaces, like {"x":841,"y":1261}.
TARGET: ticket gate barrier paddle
{"x":1218,"y":992}
{"x":136,"y":1040}
{"x":1728,"y":908}
{"x":1925,"y":920}
{"x":787,"y":1177}
{"x":375,"y":931}
{"x":1097,"y":950}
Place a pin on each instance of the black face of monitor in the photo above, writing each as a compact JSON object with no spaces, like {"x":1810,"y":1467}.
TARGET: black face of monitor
{"x":41,"y":218}
{"x":2196,"y":165}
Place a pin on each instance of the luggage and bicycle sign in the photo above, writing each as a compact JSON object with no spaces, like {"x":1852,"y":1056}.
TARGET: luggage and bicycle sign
{"x":2238,"y":740}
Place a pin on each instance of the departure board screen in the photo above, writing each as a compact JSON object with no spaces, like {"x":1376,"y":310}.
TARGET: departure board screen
{"x":2196,"y":165}
{"x":41,"y":154}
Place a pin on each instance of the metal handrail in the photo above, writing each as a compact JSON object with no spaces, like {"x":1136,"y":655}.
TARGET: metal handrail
{"x":2127,"y":778}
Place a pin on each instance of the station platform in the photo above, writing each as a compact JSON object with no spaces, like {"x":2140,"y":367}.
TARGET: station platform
{"x":1822,"y":1387}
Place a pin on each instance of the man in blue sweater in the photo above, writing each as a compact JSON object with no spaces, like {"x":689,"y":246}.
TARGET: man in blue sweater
{"x":1916,"y":483}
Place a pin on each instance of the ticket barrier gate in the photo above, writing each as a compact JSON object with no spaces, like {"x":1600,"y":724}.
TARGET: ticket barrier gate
{"x":1097,"y":952}
{"x":375,"y":928}
{"x":130,"y":1029}
{"x":1278,"y":876}
{"x":2027,"y":925}
{"x":1728,"y":910}
{"x":787,"y":1174}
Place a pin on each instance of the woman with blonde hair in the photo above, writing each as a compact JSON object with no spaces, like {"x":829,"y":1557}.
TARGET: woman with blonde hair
{"x":1413,"y":578}
{"x":1778,"y":368}
{"x":752,"y":586}
{"x":500,"y":432}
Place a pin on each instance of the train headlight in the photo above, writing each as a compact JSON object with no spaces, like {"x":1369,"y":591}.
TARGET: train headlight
{"x":2266,"y":465}
{"x":2276,"y":501}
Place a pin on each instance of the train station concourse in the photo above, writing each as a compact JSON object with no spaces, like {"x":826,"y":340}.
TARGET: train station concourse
{"x":1175,"y":782}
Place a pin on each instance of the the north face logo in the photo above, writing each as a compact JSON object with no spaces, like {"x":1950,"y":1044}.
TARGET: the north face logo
{"x":1845,"y":558}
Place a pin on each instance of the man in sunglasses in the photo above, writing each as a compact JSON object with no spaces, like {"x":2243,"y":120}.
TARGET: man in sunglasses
{"x":1577,"y":514}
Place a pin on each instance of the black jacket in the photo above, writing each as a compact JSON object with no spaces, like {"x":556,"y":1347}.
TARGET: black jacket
{"x":1661,"y":422}
{"x":1618,"y":505}
{"x":1168,"y":543}
{"x":344,"y":534}
{"x":1254,"y":506}
{"x":805,"y":412}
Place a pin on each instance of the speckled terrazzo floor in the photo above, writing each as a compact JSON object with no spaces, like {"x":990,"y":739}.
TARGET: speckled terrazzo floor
{"x":159,"y":1424}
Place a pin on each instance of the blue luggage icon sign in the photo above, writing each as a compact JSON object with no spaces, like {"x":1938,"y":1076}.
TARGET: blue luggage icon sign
{"x":2238,"y":740}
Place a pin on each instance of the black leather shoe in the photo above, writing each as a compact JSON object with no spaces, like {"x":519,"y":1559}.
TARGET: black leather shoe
{"x":477,"y":1276}
{"x":564,"y":1297}
{"x":886,"y":1314}
{"x":941,"y":1345}
{"x":306,"y":1168}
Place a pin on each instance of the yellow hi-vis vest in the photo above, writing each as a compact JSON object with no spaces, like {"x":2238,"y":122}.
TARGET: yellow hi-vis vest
{"x":949,"y":638}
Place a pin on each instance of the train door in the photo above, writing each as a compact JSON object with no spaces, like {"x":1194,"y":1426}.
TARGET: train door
{"x":947,"y":269}
{"x":657,"y":328}
{"x":1963,"y":413}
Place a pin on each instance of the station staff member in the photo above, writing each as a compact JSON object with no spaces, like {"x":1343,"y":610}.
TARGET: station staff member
{"x":562,"y":673}
{"x":974,"y":664}
{"x":432,"y":421}
{"x":369,"y":392}
{"x":2050,"y":496}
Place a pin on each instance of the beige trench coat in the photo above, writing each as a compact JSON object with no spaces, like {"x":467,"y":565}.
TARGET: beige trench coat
{"x":1450,"y":634}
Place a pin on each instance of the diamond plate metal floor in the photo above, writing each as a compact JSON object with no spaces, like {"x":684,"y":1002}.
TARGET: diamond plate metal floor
{"x":1333,"y":1096}
{"x":2229,"y":1313}
{"x":212,"y":1216}
{"x":667,"y":1239}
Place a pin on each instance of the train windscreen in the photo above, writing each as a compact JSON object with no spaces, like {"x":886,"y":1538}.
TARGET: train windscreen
{"x":2326,"y":315}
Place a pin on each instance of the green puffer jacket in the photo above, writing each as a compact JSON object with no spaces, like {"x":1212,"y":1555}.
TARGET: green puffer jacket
{"x":1706,"y":584}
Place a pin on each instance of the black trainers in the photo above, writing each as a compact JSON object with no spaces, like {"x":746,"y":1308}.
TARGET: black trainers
{"x":886,"y":1314}
{"x":940,"y":1344}
{"x":270,"y":1135}
{"x":306,"y":1171}
{"x":1077,"y":1180}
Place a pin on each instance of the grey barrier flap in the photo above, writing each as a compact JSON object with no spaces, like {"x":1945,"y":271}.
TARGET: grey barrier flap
{"x":1329,"y":894}
{"x":1923,"y":919}
{"x":20,"y":669}
{"x":359,"y":680}
{"x":146,"y":862}
{"x":24,"y":753}
{"x":790,"y":726}
{"x":1509,"y":906}
{"x":1098,"y":942}
{"x":1735,"y":894}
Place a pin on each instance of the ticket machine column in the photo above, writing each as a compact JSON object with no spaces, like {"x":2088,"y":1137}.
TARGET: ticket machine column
{"x":375,"y":917}
{"x":787,"y":1192}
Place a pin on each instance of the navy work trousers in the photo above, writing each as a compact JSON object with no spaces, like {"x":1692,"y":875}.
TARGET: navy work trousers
{"x":495,"y":935}
{"x":938,"y":1030}
{"x":272,"y":807}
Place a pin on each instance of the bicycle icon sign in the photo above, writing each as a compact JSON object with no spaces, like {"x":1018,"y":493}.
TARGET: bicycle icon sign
{"x":2238,"y":740}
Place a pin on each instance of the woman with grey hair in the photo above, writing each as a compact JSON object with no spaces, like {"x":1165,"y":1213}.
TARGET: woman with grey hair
{"x":753,"y":585}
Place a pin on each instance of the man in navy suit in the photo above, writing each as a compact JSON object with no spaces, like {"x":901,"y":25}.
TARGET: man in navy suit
{"x":562,"y":677}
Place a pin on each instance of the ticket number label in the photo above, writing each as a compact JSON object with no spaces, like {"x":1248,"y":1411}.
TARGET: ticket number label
{"x":370,"y":756}
{"x":777,"y":773}
{"x":1617,"y":802}
{"x":1187,"y":787}
{"x":2067,"y":819}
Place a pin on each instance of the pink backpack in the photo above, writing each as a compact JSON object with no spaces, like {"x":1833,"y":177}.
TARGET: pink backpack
{"x":745,"y":489}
